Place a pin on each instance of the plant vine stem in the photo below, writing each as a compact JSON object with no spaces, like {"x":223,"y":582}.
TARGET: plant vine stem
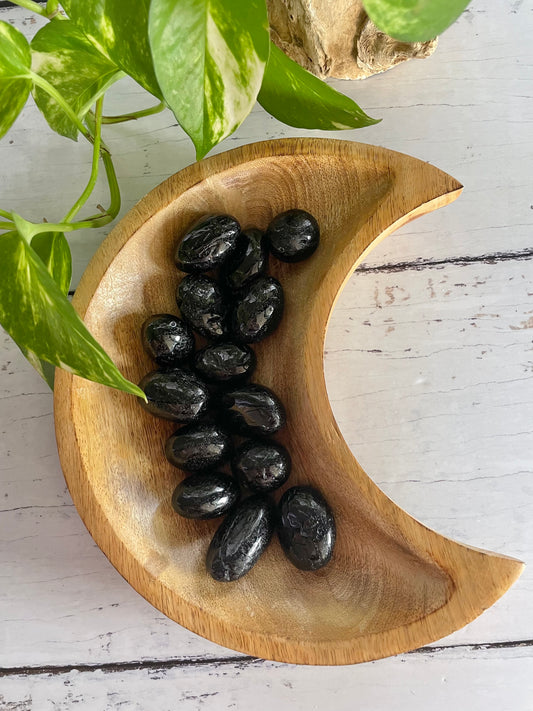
{"x":4,"y":213}
{"x":53,"y":92}
{"x":134,"y":115}
{"x":6,"y":226}
{"x":80,"y":202}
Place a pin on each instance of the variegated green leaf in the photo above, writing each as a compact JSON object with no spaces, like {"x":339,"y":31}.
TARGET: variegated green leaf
{"x":54,"y":252}
{"x":53,"y":249}
{"x":43,"y":322}
{"x":209,"y":58}
{"x":414,"y":20}
{"x":63,"y":55}
{"x":15,"y":81}
{"x":296,"y":97}
{"x":119,"y":28}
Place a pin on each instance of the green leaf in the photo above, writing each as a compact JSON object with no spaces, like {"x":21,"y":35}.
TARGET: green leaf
{"x":15,"y":80}
{"x":53,"y":249}
{"x":414,"y":20}
{"x":43,"y":322}
{"x":63,"y":55}
{"x":296,"y":97}
{"x":209,"y":58}
{"x":119,"y":28}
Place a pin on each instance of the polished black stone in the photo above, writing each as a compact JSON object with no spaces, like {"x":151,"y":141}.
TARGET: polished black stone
{"x":250,"y":259}
{"x":262,"y":465}
{"x":252,"y":410}
{"x":241,"y":539}
{"x":258,"y":311}
{"x":167,"y":339}
{"x":174,"y":394}
{"x":203,"y":306}
{"x":226,"y":363}
{"x":208,"y":243}
{"x":206,"y":495}
{"x":292,"y":236}
{"x":306,"y":527}
{"x":198,"y":446}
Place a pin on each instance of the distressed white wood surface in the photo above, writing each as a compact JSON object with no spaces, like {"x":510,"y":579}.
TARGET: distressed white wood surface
{"x":476,"y":680}
{"x":442,"y":422}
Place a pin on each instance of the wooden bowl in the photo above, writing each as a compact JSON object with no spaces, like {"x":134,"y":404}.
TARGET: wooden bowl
{"x":392,"y":584}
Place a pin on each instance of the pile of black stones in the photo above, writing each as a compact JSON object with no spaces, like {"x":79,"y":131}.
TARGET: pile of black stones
{"x":227,"y":298}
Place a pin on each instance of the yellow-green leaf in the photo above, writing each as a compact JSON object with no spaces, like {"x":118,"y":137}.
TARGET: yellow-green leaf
{"x":119,"y":28}
{"x":296,"y":97}
{"x":15,"y":80}
{"x":54,"y":252}
{"x":63,"y":55}
{"x":414,"y":20}
{"x":43,"y":322}
{"x":209,"y":58}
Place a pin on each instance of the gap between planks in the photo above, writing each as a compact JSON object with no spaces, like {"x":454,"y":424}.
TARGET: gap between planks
{"x":241,"y":660}
{"x":492,"y":258}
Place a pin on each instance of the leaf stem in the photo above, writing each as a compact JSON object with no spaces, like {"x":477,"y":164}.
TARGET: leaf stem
{"x":54,"y":93}
{"x":134,"y":115}
{"x":80,"y":202}
{"x":4,"y":213}
{"x":6,"y":225}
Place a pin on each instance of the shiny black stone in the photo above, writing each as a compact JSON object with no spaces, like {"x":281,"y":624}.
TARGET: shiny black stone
{"x":250,"y":259}
{"x":252,"y":410}
{"x":262,"y":465}
{"x":225,"y":363}
{"x":167,"y":339}
{"x":241,"y":538}
{"x":203,"y":306}
{"x":207,"y":495}
{"x":292,"y":236}
{"x":198,"y":446}
{"x":306,"y":528}
{"x":258,"y":311}
{"x":208,"y":243}
{"x":174,"y":395}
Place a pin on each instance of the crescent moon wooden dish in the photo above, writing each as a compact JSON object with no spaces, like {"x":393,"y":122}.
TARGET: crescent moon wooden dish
{"x":392,"y":584}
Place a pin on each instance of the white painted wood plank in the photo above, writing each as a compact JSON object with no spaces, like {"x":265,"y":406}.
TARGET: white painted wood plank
{"x":459,"y":678}
{"x":442,"y":421}
{"x":467,"y":109}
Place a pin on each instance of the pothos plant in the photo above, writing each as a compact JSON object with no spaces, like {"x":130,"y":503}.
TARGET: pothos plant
{"x":208,"y":61}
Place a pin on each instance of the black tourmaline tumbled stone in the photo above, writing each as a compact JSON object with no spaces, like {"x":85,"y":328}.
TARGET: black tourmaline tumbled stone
{"x":258,"y":311}
{"x":250,"y":259}
{"x":225,"y":363}
{"x":306,"y":528}
{"x":252,"y":410}
{"x":167,"y":339}
{"x":174,"y":395}
{"x":262,"y":465}
{"x":203,"y":306}
{"x":241,"y":538}
{"x":208,"y":243}
{"x":198,"y":447}
{"x":206,"y":495}
{"x":293,"y":236}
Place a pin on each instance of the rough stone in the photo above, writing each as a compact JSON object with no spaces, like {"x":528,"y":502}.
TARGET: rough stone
{"x":337,"y":39}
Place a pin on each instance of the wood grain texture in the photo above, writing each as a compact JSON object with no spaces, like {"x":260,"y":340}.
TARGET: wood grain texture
{"x":474,"y":679}
{"x":393,"y":584}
